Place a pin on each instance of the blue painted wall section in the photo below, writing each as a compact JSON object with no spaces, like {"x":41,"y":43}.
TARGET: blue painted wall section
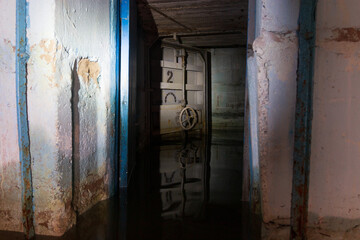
{"x":251,"y":117}
{"x":124,"y":91}
{"x":304,"y":99}
{"x":255,"y":189}
{"x":22,"y":119}
{"x":115,"y":94}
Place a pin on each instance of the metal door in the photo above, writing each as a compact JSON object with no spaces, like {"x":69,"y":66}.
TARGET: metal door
{"x":179,"y":84}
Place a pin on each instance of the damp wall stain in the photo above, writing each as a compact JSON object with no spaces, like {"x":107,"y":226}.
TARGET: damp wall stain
{"x":345,"y":35}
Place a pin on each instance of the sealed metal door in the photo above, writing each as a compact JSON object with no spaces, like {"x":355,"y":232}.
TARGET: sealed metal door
{"x":179,"y":84}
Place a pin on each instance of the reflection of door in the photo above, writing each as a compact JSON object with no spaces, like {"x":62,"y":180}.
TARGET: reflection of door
{"x":182,"y":170}
{"x":180,"y":82}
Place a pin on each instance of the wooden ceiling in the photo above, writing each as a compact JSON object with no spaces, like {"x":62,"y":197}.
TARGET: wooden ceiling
{"x":199,"y":23}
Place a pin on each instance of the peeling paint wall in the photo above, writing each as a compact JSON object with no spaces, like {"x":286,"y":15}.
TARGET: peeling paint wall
{"x":228,"y":87}
{"x":334,"y":196}
{"x":50,"y":161}
{"x":10,"y":185}
{"x":69,"y":115}
{"x":275,"y":59}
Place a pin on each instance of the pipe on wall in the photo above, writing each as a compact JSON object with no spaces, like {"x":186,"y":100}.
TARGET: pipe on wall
{"x":303,"y":119}
{"x":124,"y":91}
{"x":22,"y":56}
{"x":115,"y":93}
{"x":183,"y":60}
{"x":252,"y":116}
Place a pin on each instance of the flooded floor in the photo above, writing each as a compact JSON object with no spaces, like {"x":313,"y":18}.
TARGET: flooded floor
{"x":187,"y":189}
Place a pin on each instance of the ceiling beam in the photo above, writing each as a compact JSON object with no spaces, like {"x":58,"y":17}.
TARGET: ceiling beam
{"x":210,"y":33}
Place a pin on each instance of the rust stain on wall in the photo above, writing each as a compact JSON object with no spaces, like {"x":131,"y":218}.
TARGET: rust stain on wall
{"x":94,"y":186}
{"x":8,"y":42}
{"x":346,"y":35}
{"x":44,"y":219}
{"x":89,"y":70}
{"x":92,"y":190}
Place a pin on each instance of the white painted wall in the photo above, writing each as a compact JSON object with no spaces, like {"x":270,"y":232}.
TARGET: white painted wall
{"x":334,"y":170}
{"x":10,"y":185}
{"x":60,"y":34}
{"x":53,"y":214}
{"x":83,"y":30}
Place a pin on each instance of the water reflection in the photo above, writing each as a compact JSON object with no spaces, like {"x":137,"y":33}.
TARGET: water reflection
{"x":182,"y":171}
{"x":180,"y":190}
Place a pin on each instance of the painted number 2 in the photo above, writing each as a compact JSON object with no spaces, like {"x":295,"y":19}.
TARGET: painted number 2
{"x":170,"y":74}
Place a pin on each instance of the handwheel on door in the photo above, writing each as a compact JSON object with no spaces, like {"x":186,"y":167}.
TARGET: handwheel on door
{"x":187,"y":118}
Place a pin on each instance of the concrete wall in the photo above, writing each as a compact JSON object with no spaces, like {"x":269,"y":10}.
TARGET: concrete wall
{"x":10,"y":185}
{"x":334,"y":169}
{"x":273,"y":69}
{"x":334,"y":194}
{"x":69,"y":107}
{"x":52,"y":189}
{"x":228,"y":66}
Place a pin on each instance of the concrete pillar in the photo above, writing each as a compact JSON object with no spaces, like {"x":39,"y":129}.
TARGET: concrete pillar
{"x":273,"y":67}
{"x":69,"y":112}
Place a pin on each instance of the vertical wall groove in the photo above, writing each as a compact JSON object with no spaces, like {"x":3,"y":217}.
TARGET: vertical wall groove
{"x":22,"y":118}
{"x":75,"y":122}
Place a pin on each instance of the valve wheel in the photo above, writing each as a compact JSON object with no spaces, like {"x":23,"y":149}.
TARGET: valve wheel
{"x":187,"y":118}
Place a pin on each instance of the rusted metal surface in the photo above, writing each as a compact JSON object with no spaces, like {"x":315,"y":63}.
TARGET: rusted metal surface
{"x":22,"y":119}
{"x":303,"y":119}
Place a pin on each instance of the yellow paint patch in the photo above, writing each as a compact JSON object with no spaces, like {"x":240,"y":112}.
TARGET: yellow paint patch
{"x":89,"y":70}
{"x":49,"y":47}
{"x":43,"y":59}
{"x":46,"y":57}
